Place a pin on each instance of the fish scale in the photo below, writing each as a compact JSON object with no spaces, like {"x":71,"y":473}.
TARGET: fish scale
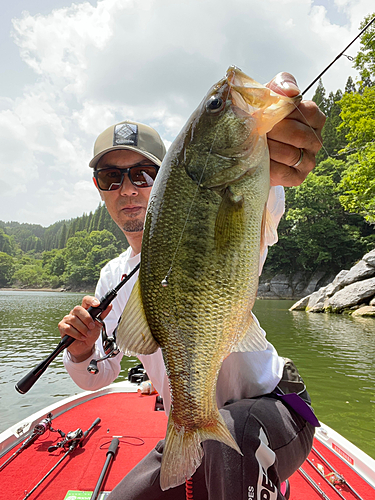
{"x":203,"y":234}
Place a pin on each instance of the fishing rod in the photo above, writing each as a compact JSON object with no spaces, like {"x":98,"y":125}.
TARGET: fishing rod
{"x":339,"y":478}
{"x":338,"y":56}
{"x":110,"y":456}
{"x":325,"y":478}
{"x":71,"y":441}
{"x":39,"y":429}
{"x":316,"y":487}
{"x":25,"y":384}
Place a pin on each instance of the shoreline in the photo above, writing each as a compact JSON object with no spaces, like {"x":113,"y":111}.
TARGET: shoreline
{"x":56,"y":290}
{"x":92,"y":292}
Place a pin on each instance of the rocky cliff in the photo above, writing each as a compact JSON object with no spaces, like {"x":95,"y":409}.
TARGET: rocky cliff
{"x":294,"y":286}
{"x":352,"y":291}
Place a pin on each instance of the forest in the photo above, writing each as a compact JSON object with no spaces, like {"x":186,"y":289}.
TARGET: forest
{"x":328,"y":223}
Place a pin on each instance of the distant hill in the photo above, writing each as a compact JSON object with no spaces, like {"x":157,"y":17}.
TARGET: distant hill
{"x":36,"y":238}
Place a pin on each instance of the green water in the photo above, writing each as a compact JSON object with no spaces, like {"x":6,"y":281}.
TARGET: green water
{"x":335,"y":355}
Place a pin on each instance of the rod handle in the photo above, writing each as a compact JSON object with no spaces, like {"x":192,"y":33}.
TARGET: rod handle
{"x":96,"y":422}
{"x":25,"y":384}
{"x":113,"y":447}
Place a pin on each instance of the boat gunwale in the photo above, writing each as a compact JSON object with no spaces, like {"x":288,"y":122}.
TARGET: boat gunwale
{"x":20,"y":431}
{"x":363,"y":465}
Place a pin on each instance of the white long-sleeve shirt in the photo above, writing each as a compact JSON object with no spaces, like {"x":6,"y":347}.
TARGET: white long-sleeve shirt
{"x":242,"y":374}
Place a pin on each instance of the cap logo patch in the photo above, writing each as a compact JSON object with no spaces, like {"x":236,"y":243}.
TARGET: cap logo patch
{"x":126,"y":134}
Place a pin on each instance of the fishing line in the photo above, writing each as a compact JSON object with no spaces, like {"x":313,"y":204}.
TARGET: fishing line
{"x":165,"y":280}
{"x":338,"y":56}
{"x":140,"y":441}
{"x":322,"y":73}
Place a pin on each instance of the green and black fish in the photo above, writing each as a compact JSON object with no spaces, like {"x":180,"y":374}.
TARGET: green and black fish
{"x":204,"y":231}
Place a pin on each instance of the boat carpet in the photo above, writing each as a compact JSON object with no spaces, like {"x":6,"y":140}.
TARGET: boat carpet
{"x":129,"y":415}
{"x":133,"y":417}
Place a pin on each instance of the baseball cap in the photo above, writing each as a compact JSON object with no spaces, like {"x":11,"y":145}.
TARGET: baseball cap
{"x":129,"y":135}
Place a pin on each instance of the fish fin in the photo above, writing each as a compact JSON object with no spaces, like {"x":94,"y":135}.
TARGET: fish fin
{"x":133,"y":332}
{"x":183,"y":452}
{"x":268,"y":230}
{"x":254,"y":339}
{"x":230,"y":219}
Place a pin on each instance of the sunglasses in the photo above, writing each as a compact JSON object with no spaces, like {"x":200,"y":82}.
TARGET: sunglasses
{"x":110,"y":179}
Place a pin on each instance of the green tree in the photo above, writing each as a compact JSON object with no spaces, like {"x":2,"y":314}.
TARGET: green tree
{"x":6,"y":269}
{"x":365,"y":59}
{"x":320,"y":97}
{"x":350,"y":86}
{"x":316,"y":232}
{"x":84,"y":256}
{"x":333,"y":134}
{"x":7,"y":244}
{"x":358,"y":184}
{"x":31,"y":275}
{"x":63,"y":235}
{"x":358,"y":180}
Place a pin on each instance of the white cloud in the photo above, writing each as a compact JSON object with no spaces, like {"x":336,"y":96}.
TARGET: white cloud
{"x":151,"y":61}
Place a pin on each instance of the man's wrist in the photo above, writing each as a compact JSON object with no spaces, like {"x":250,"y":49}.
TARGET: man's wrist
{"x":81,"y":357}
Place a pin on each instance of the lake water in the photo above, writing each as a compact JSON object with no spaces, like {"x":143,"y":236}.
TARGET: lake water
{"x":335,"y":355}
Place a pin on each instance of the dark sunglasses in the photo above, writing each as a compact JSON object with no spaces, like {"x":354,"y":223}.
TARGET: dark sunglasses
{"x":110,"y":179}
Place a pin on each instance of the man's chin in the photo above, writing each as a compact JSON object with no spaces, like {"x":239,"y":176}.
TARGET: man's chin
{"x":133,"y":227}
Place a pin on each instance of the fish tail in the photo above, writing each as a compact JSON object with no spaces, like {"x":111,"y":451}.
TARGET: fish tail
{"x":183,"y":452}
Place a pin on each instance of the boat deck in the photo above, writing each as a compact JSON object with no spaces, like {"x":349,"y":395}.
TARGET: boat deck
{"x":133,"y":419}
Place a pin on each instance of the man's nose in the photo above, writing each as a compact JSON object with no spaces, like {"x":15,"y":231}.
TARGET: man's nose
{"x":127,"y":188}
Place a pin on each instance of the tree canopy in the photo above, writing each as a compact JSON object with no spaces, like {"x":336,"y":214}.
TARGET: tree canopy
{"x":328,"y":224}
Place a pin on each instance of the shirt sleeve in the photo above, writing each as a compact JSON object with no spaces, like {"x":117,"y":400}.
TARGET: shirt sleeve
{"x":276,"y":208}
{"x":108,"y":369}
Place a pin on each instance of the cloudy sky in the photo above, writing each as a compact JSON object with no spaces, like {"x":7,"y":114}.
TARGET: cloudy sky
{"x":69,"y":70}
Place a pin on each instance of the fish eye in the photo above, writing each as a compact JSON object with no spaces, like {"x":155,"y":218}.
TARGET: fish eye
{"x":214,"y":104}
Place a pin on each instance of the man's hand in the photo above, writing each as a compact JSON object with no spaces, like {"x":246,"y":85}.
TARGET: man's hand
{"x":80,"y":325}
{"x":301,"y":129}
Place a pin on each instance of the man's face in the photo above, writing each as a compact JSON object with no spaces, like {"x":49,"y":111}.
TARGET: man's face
{"x":126,"y":205}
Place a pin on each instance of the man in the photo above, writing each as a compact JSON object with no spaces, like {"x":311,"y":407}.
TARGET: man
{"x":274,"y":438}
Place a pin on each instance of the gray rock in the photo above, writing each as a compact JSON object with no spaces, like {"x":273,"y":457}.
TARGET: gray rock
{"x":298,"y":283}
{"x":300,"y":305}
{"x":370,"y":258}
{"x":314,"y":280}
{"x":263,"y":289}
{"x":372,"y":302}
{"x":317,"y":300}
{"x":336,"y":284}
{"x":352,"y":294}
{"x":358,"y":272}
{"x":364,"y":311}
{"x":280,"y":286}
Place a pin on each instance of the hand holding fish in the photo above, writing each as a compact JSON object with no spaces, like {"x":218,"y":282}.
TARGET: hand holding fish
{"x":299,"y":131}
{"x":80,"y":325}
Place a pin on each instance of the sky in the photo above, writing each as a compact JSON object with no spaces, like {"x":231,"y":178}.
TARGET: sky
{"x":70,"y":70}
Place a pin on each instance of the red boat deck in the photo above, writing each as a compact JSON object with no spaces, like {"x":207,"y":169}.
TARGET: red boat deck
{"x":132,"y":419}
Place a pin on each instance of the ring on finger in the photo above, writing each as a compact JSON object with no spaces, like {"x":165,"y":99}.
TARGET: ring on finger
{"x":299,"y":160}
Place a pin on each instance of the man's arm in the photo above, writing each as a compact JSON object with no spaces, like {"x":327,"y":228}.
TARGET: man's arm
{"x":301,"y":129}
{"x":80,"y":325}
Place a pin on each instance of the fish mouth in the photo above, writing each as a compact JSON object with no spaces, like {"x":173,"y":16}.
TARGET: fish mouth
{"x":248,"y":97}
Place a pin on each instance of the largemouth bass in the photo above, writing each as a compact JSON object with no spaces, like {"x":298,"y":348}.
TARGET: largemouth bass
{"x":203,"y":234}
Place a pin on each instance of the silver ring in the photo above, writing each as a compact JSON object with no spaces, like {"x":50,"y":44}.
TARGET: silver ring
{"x":300,"y":159}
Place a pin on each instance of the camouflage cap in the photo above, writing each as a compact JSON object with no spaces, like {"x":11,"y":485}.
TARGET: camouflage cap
{"x":130,"y":135}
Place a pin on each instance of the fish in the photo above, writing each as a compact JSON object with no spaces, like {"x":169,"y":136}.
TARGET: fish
{"x":204,"y":230}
